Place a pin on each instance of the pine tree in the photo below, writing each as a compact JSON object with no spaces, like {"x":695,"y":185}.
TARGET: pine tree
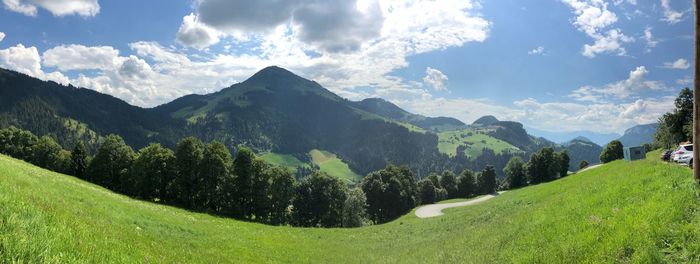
{"x":79,"y":160}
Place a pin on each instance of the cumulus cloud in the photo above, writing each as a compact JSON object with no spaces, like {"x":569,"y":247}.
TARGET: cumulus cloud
{"x":195,"y":34}
{"x":536,"y":51}
{"x":651,"y":42}
{"x":58,"y":8}
{"x":330,"y":25}
{"x":635,"y":83}
{"x":26,"y":60}
{"x":592,"y":18}
{"x":671,"y":16}
{"x":2,"y":36}
{"x":435,"y":79}
{"x":611,"y":42}
{"x":679,"y":64}
{"x":79,"y":57}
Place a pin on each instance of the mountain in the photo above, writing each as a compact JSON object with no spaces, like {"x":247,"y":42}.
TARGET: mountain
{"x":580,"y":149}
{"x":486,"y":120}
{"x":273,"y":111}
{"x":563,"y":137}
{"x":639,"y":135}
{"x":276,"y":112}
{"x":386,"y":109}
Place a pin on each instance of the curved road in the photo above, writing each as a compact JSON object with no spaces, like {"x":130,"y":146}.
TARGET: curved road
{"x":433,"y":210}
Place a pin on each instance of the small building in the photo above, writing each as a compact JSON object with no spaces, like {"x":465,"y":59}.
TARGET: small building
{"x":634,"y":153}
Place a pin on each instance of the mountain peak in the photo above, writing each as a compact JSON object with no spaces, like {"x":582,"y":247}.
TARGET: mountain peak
{"x":582,"y":138}
{"x":486,"y":120}
{"x":273,"y":72}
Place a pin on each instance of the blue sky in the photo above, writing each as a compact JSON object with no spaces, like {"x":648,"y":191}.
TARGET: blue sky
{"x":559,"y":65}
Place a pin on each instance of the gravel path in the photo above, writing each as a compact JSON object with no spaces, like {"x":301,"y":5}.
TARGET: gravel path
{"x":433,"y":210}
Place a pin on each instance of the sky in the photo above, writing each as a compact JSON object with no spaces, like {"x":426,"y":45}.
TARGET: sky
{"x":554,"y":65}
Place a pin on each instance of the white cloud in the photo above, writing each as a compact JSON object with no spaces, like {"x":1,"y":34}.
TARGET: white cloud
{"x":408,"y":28}
{"x":435,"y":79}
{"x":651,"y":42}
{"x":536,"y":51}
{"x":592,"y":17}
{"x":22,"y":59}
{"x":79,"y":57}
{"x":635,"y":83}
{"x":671,"y":16}
{"x":608,"y":43}
{"x":56,"y":7}
{"x":195,"y":34}
{"x":551,"y":116}
{"x":680,"y":64}
{"x":329,"y":25}
{"x":2,"y":36}
{"x":26,"y":60}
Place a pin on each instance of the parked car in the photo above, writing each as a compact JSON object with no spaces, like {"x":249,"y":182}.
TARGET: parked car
{"x":683,"y":154}
{"x":666,"y":155}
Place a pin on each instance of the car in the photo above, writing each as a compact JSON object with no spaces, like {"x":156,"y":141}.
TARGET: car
{"x":666,"y":155}
{"x":683,"y":154}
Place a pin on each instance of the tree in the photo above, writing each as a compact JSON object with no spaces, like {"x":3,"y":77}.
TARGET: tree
{"x":281,"y":195}
{"x":111,"y":165}
{"x":563,"y":159}
{"x":46,"y":153}
{"x":154,"y":172}
{"x":466,"y":184}
{"x":448,"y":181}
{"x":390,"y":193}
{"x":188,"y":156}
{"x":676,"y":126}
{"x":515,"y":173}
{"x":79,"y":160}
{"x":319,"y":201}
{"x":428,"y":192}
{"x":487,"y":180}
{"x":355,"y":208}
{"x":17,"y":143}
{"x":215,"y":172}
{"x":62,"y":161}
{"x":542,"y":166}
{"x":582,"y":165}
{"x":260,"y":198}
{"x":244,"y":171}
{"x":612,"y":151}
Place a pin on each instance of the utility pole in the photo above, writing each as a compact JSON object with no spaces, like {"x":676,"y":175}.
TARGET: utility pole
{"x":696,"y":98}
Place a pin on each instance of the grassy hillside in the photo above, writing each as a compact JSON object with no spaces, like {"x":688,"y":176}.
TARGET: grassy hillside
{"x":449,"y":141}
{"x":284,"y":160}
{"x":643,"y":211}
{"x":332,"y":165}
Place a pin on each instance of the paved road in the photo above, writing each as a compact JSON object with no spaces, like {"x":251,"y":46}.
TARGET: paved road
{"x":433,"y":210}
{"x":590,"y":167}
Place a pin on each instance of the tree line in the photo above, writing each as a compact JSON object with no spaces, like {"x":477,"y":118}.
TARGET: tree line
{"x":207,"y":178}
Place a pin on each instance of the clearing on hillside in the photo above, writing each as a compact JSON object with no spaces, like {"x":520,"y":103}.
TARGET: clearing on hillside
{"x":332,"y":165}
{"x":475,"y":143}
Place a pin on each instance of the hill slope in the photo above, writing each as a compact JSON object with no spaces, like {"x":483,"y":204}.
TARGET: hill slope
{"x":643,"y":211}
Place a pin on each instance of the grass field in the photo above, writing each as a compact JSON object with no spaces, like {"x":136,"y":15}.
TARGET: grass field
{"x":636,"y":212}
{"x":448,"y":142}
{"x":284,"y":160}
{"x":332,"y":165}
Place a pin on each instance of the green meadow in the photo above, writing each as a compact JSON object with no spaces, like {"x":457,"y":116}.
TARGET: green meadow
{"x":623,"y":212}
{"x":448,"y":142}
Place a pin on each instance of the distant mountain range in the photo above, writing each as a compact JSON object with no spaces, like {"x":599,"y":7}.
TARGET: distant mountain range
{"x":563,"y":137}
{"x":274,"y":111}
{"x":639,"y":135}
